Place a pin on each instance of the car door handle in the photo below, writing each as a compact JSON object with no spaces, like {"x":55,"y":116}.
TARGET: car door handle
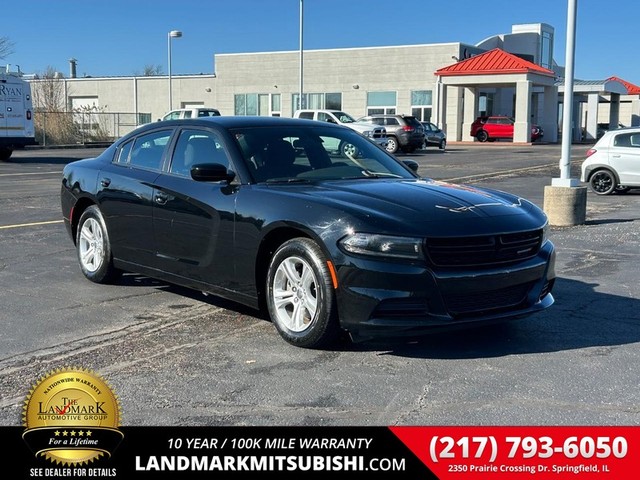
{"x":161,"y":198}
{"x":615,"y":156}
{"x":105,"y":182}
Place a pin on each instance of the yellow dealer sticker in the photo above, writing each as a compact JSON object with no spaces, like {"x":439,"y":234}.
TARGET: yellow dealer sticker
{"x":72,"y":417}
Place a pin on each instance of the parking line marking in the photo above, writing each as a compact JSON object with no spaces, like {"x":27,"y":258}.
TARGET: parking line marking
{"x":495,"y":174}
{"x":33,"y":224}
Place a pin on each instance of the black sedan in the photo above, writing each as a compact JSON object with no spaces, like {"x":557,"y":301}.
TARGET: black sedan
{"x":272,"y":213}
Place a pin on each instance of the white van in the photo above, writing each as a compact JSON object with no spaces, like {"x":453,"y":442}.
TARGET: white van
{"x":16,"y":113}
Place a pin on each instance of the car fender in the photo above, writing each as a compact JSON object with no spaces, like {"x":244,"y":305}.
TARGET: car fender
{"x":589,"y":169}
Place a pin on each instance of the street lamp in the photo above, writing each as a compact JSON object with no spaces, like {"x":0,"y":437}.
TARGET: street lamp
{"x":172,"y":34}
{"x":301,"y":94}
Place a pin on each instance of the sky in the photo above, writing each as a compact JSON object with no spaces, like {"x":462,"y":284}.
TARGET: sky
{"x":121,"y":38}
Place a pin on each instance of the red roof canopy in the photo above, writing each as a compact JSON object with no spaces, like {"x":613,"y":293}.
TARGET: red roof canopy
{"x":495,"y":61}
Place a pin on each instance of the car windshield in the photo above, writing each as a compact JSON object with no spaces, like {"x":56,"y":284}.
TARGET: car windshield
{"x":345,"y":117}
{"x":292,"y":154}
{"x":208,"y":113}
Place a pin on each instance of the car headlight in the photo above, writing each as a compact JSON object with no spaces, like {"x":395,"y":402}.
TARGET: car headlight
{"x":368,"y":133}
{"x":545,"y":233}
{"x":382,"y":245}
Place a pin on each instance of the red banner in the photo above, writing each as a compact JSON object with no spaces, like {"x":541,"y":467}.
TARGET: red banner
{"x":519,"y":452}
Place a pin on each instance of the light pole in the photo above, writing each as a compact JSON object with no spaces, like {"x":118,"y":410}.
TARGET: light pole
{"x":170,"y":35}
{"x":300,"y":95}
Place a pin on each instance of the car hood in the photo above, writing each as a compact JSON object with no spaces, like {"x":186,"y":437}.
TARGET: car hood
{"x":423,"y":205}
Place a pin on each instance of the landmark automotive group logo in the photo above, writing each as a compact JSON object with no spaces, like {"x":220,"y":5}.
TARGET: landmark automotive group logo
{"x":71,"y":417}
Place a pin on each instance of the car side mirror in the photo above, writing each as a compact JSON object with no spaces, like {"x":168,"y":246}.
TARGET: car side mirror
{"x":412,"y":164}
{"x":211,"y":172}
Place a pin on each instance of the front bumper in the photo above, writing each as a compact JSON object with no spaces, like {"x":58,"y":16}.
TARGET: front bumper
{"x":378,"y":298}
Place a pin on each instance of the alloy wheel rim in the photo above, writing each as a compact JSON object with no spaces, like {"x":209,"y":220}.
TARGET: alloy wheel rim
{"x":295,"y":294}
{"x":91,"y":245}
{"x":602,"y":182}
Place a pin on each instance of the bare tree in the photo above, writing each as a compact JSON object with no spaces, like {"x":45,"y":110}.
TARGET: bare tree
{"x":150,"y":71}
{"x":6,"y":47}
{"x":53,"y":122}
{"x":48,"y":91}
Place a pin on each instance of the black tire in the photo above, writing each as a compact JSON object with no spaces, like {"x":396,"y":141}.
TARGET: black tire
{"x":5,"y":154}
{"x":300,"y":296}
{"x":94,"y":248}
{"x":621,"y":189}
{"x":603,"y":182}
{"x":482,"y":136}
{"x":443,"y":145}
{"x":392,"y":145}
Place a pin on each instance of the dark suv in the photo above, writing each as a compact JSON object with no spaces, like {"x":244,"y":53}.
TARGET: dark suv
{"x":497,"y":126}
{"x":404,"y":132}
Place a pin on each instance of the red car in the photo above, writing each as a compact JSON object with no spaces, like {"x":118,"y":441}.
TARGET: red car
{"x":499,"y":127}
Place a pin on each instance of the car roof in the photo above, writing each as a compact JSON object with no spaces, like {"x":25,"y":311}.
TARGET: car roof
{"x":616,"y":131}
{"x":238,"y":121}
{"x":403,"y":115}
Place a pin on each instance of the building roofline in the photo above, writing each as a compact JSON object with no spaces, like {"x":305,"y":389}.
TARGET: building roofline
{"x":346,"y":49}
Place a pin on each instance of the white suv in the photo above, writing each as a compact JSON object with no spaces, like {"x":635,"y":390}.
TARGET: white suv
{"x":613,"y":163}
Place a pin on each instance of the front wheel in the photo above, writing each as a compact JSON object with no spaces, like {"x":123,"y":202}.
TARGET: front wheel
{"x":443,"y":145}
{"x":392,"y":145}
{"x":300,"y":296}
{"x":5,"y":154}
{"x":603,"y":182}
{"x":94,"y":247}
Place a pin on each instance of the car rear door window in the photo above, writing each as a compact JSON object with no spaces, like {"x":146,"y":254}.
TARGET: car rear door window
{"x":622,"y":140}
{"x":148,"y":150}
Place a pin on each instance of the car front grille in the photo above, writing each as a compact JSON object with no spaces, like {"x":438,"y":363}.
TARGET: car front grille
{"x":483,"y":250}
{"x":478,"y":303}
{"x":379,"y":133}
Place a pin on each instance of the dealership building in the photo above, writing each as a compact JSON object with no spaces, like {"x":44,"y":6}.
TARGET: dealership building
{"x":449,"y":84}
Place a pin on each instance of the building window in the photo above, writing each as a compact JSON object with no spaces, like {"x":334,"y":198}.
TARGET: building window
{"x":333,"y":101}
{"x":256,"y":104}
{"x":421,"y":104}
{"x":381,"y":103}
{"x":317,"y":101}
{"x":546,"y":53}
{"x":276,"y":105}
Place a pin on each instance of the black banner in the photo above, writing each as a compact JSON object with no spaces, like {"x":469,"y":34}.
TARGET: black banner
{"x":234,"y":452}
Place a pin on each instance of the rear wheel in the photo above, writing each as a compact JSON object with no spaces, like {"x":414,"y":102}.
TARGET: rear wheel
{"x":603,"y":182}
{"x":300,"y":296}
{"x":392,"y":145}
{"x":94,"y":247}
{"x":482,"y":136}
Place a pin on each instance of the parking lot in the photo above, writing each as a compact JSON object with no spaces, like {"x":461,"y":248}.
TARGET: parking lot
{"x":176,"y":357}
